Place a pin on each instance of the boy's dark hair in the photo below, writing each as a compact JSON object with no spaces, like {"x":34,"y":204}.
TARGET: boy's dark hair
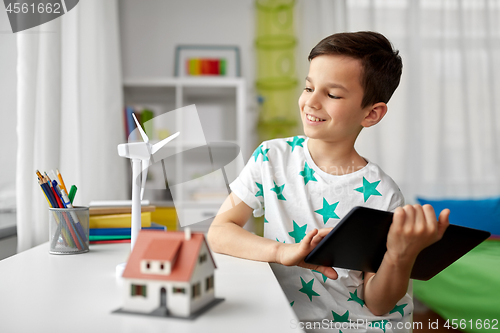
{"x":381,"y":64}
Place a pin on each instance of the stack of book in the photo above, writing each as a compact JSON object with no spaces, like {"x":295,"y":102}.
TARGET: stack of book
{"x":111,"y":224}
{"x":206,"y":66}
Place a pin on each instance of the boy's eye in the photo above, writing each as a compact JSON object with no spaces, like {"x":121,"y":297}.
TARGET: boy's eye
{"x":333,"y":96}
{"x":308,"y":89}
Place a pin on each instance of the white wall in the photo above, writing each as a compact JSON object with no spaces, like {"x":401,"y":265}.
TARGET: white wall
{"x":8,"y":139}
{"x":151,"y":29}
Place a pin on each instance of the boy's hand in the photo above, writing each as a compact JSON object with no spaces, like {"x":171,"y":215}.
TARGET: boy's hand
{"x":294,"y":254}
{"x":413,"y":229}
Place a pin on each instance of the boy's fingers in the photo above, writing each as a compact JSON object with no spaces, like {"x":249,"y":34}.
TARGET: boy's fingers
{"x":409,"y":217}
{"x":429,"y":212}
{"x":308,"y":237}
{"x":420,"y":220}
{"x":320,"y":235}
{"x":324,"y":231}
{"x":329,"y":272}
{"x":443,"y":222}
{"x":430,"y":216}
{"x":398,"y":218}
{"x":315,"y":241}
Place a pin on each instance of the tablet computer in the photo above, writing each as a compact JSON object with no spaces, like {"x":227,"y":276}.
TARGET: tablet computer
{"x":358,"y":242}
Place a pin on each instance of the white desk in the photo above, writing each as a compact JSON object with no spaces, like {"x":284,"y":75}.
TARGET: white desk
{"x":40,"y":292}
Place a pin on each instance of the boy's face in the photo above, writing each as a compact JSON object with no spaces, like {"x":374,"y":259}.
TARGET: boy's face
{"x":330,"y":105}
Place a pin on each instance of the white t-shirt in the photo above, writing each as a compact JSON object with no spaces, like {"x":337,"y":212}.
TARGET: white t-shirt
{"x":282,"y":182}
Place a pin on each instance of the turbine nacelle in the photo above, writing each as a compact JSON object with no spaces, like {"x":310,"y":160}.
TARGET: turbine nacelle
{"x":137,"y":150}
{"x":143,"y":151}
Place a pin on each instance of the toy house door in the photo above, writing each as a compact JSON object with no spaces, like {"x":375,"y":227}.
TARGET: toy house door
{"x":163,"y":297}
{"x":163,"y":301}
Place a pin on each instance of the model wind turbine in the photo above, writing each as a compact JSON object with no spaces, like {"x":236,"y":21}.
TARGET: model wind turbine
{"x":142,"y":155}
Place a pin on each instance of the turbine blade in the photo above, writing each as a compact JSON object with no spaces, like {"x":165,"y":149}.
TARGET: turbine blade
{"x":143,"y":134}
{"x":159,"y":145}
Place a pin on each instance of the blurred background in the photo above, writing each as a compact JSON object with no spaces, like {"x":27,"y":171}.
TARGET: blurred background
{"x":77,"y":74}
{"x":68,"y":85}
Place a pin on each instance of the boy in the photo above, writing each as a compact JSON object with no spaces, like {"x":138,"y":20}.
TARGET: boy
{"x":305,"y":185}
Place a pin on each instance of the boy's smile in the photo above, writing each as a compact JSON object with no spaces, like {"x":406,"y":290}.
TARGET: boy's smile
{"x":330,"y":104}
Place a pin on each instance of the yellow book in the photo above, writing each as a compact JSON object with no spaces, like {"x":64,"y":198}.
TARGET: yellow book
{"x":194,"y":66}
{"x":117,"y":220}
{"x":165,"y":216}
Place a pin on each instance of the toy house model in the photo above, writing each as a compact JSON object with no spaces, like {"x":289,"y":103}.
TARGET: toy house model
{"x":169,"y":274}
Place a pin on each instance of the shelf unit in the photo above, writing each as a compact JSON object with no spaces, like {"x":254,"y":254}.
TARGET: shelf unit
{"x":221,"y":122}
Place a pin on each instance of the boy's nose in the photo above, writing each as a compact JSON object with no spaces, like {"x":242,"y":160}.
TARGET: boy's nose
{"x":313,"y":101}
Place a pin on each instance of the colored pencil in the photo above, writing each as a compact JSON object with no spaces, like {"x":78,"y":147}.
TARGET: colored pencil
{"x":68,"y":223}
{"x":61,"y":181}
{"x":49,"y":193}
{"x":72,"y":193}
{"x":43,"y":186}
{"x":67,"y":204}
{"x":45,"y":192}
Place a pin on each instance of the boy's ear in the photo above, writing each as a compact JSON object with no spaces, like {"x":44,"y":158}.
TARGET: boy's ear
{"x":375,"y":114}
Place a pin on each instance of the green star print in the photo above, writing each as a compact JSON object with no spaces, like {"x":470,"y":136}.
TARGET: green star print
{"x":279,"y":191}
{"x":296,"y":142}
{"x":368,"y":189}
{"x":308,"y":174}
{"x":328,"y":211}
{"x":259,"y":151}
{"x":298,"y":232}
{"x":341,"y":319}
{"x":399,"y":308}
{"x":307,"y":288}
{"x":260,"y":192}
{"x":354,"y":297}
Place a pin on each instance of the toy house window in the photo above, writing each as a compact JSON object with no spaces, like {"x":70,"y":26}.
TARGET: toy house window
{"x":209,"y":283}
{"x":179,"y":290}
{"x":162,"y":266}
{"x":203,"y":258}
{"x":138,"y":290}
{"x":148,"y":265}
{"x":195,"y":290}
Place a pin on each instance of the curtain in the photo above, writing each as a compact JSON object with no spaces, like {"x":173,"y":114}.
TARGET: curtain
{"x":69,"y":112}
{"x":441,"y":136}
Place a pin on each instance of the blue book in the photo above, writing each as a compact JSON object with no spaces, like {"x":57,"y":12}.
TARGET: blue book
{"x":130,"y":121}
{"x":120,"y":231}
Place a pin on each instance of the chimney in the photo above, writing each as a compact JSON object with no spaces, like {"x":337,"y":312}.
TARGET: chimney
{"x":187,"y":233}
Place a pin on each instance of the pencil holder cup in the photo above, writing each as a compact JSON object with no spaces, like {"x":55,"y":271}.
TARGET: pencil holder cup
{"x":69,"y":230}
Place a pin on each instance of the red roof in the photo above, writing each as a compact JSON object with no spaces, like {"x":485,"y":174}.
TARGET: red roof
{"x":159,"y":249}
{"x":161,"y":245}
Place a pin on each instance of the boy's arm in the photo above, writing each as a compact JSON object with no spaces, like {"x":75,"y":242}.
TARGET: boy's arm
{"x":226,"y":235}
{"x":413,"y":229}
